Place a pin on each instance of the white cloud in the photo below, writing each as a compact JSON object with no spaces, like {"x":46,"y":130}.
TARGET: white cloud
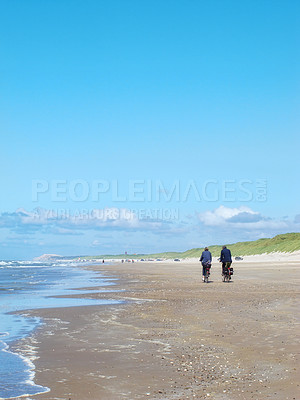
{"x":223,"y":215}
{"x":230,"y":225}
{"x":245,"y":219}
{"x":65,"y":222}
{"x":114,"y":228}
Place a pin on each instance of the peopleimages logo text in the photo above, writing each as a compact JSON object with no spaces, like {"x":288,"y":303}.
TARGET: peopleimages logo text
{"x":147,"y":190}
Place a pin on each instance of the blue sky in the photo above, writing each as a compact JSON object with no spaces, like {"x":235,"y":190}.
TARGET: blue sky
{"x":147,"y":126}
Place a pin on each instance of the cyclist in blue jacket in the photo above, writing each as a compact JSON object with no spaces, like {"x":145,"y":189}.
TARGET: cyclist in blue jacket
{"x":206,"y":260}
{"x":225,"y":258}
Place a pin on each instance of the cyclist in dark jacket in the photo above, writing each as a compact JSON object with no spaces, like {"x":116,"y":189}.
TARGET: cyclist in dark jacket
{"x":225,"y":258}
{"x":206,"y":260}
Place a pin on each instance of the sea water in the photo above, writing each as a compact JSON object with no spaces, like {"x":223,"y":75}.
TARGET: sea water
{"x":27,"y":286}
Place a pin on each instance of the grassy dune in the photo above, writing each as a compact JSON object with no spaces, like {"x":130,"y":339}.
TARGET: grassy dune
{"x":285,"y":243}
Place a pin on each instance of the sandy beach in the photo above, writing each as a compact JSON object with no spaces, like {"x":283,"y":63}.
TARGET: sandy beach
{"x":175,"y":337}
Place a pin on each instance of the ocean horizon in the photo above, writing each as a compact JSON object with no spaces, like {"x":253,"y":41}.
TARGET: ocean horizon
{"x":27,"y":285}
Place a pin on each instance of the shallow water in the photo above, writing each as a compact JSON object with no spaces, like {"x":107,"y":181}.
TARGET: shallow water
{"x":24,"y":286}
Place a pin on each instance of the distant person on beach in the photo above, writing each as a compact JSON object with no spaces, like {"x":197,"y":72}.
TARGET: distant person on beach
{"x":205,"y":259}
{"x":225,"y":258}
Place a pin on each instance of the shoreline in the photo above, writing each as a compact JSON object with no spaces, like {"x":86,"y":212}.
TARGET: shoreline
{"x":175,"y":337}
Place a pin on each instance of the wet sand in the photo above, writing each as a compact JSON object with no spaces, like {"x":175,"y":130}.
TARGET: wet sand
{"x":175,"y":337}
